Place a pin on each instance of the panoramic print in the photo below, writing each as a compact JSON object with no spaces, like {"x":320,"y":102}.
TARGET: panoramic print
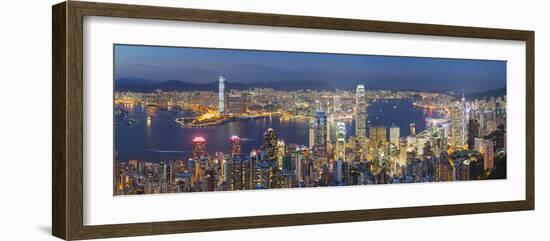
{"x":209,"y":120}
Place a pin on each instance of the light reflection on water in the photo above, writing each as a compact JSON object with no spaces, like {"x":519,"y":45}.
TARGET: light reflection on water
{"x":161,"y":138}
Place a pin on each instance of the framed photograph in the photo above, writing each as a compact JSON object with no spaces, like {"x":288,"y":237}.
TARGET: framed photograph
{"x":171,"y":120}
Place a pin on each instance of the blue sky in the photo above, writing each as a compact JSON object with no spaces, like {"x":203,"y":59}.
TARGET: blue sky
{"x":203,"y":65}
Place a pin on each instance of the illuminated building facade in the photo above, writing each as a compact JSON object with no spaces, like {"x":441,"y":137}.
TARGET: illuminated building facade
{"x":221,"y":94}
{"x":326,"y":152}
{"x":377,"y":135}
{"x":237,"y":173}
{"x":311,"y":133}
{"x":488,"y":154}
{"x":412,"y":129}
{"x":360,"y":112}
{"x":235,"y":145}
{"x":341,"y":141}
{"x":473,"y":133}
{"x":320,"y":136}
{"x":199,"y":147}
{"x":456,"y":127}
{"x":394,"y":135}
{"x":281,"y":153}
{"x":270,"y":144}
{"x":464,"y":115}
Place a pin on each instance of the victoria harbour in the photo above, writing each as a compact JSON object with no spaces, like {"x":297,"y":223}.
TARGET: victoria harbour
{"x":164,"y":139}
{"x":199,"y":120}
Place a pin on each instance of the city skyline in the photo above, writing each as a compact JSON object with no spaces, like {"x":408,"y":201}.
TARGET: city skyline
{"x":230,"y":139}
{"x":344,"y":71}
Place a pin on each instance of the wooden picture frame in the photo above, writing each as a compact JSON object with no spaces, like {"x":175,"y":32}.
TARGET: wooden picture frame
{"x":67,"y":137}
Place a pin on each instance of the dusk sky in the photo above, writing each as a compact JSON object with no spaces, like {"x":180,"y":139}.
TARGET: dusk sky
{"x":202,"y":65}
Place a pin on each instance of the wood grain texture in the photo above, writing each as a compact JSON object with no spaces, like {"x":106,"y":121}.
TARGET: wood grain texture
{"x":279,"y":20}
{"x":75,"y":125}
{"x":122,"y":230}
{"x":67,"y":79}
{"x":58,"y":121}
{"x":530,"y":120}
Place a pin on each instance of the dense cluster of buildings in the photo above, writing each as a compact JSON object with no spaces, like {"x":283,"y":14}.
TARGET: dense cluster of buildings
{"x":468,"y":142}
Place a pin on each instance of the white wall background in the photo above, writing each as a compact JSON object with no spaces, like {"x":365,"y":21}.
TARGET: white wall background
{"x":25,"y":118}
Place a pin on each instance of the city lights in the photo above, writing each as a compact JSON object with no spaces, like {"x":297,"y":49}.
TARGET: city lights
{"x":459,"y":139}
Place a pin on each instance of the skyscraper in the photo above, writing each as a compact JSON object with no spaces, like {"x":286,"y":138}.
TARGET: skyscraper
{"x":394,"y":135}
{"x":473,"y":132}
{"x":341,"y":141}
{"x":270,"y":144}
{"x":377,"y":135}
{"x":488,"y":155}
{"x":235,"y":145}
{"x":253,"y":163}
{"x":360,"y":112}
{"x":320,"y":136}
{"x":221,"y":95}
{"x":412,"y":129}
{"x":281,"y":152}
{"x":237,"y":176}
{"x":464,"y":116}
{"x":482,"y":123}
{"x":311,"y":134}
{"x":457,"y":132}
{"x":199,"y":147}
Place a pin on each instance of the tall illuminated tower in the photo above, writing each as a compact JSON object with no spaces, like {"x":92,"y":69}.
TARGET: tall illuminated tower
{"x":464,"y":114}
{"x":281,"y":153}
{"x":320,"y":136}
{"x":199,"y":147}
{"x":456,"y":127}
{"x":341,"y":141}
{"x":377,"y":135}
{"x":311,"y":134}
{"x":360,"y":112}
{"x":235,"y":145}
{"x":412,"y":129}
{"x":488,"y":154}
{"x":221,"y":95}
{"x":270,"y":144}
{"x":394,"y":135}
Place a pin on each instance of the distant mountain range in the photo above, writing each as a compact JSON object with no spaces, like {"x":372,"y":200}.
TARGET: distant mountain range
{"x":144,"y":85}
{"x":487,"y":94}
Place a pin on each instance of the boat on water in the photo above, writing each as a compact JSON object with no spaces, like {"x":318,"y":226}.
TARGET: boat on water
{"x":132,"y":121}
{"x":185,"y":121}
{"x":120,"y":113}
